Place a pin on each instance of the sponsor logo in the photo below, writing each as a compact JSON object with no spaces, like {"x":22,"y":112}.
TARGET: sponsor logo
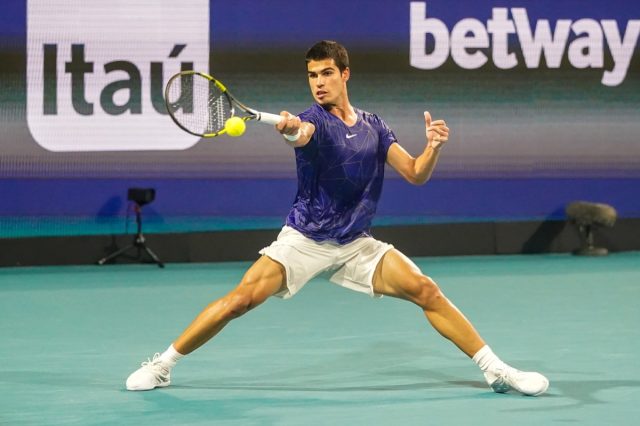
{"x":471,"y":43}
{"x":96,"y":71}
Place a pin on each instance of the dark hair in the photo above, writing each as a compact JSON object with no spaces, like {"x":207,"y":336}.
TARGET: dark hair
{"x":328,"y":49}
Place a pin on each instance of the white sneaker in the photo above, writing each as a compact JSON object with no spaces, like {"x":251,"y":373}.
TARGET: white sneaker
{"x":152,"y":374}
{"x":525,"y":382}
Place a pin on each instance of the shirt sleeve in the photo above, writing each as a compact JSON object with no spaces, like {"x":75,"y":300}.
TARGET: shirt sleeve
{"x":311,"y":115}
{"x":386,"y":135}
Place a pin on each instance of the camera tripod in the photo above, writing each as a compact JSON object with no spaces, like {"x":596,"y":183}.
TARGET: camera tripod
{"x":139,"y":243}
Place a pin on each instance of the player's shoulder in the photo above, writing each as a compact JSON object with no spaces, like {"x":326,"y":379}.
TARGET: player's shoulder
{"x":314,"y":114}
{"x":314,"y":109}
{"x":370,"y":118}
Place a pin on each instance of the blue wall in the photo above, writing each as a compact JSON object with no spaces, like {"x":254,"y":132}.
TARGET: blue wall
{"x":525,"y":140}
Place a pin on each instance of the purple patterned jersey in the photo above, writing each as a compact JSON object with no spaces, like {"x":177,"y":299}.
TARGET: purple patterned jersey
{"x":340,"y":174}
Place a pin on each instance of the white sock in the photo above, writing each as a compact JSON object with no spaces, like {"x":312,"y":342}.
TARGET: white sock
{"x":488,"y":361}
{"x":170,"y":357}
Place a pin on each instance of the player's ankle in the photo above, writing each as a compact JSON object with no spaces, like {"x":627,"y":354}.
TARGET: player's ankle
{"x":489,"y":361}
{"x":170,"y":357}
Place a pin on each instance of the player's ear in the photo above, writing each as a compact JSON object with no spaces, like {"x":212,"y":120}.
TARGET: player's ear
{"x":346,"y":74}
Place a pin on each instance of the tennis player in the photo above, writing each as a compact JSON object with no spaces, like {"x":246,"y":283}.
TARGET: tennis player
{"x":340,"y":156}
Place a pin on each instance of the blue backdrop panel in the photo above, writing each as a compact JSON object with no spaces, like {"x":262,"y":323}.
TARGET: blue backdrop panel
{"x":542,"y":98}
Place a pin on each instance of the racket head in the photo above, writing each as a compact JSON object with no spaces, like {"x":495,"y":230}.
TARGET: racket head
{"x":198,"y":103}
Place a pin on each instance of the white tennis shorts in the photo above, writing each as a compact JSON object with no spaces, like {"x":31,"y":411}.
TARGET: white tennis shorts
{"x":352,"y":264}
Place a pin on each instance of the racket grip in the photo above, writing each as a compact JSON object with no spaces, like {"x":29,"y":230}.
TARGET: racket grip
{"x":268,"y":118}
{"x":274,"y":119}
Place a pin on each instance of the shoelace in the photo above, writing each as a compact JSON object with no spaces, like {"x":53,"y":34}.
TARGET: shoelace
{"x":503,"y":379}
{"x":506,"y":373}
{"x":155,"y":362}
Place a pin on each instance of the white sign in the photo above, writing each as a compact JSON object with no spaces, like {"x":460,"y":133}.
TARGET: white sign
{"x":96,"y":71}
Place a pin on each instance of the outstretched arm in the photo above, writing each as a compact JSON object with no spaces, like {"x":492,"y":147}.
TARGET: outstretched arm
{"x":291,"y":125}
{"x":418,"y":170}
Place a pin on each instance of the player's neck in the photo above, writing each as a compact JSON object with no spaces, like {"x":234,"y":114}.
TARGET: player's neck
{"x":344,"y":111}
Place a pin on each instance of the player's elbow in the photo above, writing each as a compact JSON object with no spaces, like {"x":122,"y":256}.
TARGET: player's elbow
{"x":411,"y":171}
{"x":410,"y":174}
{"x":417,"y":181}
{"x":421,"y":175}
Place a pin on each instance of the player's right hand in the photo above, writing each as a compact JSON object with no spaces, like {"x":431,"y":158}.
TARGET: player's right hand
{"x":290,"y":125}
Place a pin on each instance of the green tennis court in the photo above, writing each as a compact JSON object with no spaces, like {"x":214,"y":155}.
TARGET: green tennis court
{"x":71,"y":335}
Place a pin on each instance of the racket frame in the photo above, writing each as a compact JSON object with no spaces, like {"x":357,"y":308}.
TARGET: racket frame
{"x":252,"y":114}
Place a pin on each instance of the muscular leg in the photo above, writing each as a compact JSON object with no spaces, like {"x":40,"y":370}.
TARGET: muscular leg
{"x":263,"y":279}
{"x":397,"y":276}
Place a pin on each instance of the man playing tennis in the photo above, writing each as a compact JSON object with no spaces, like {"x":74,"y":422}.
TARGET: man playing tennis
{"x":340,"y":156}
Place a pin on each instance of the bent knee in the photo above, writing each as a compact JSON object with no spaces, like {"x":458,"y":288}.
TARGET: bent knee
{"x":237,"y":304}
{"x":427,"y":293}
{"x":249,"y":294}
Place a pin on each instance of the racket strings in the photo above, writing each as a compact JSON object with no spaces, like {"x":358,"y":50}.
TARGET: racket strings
{"x":219,"y":112}
{"x":197,"y":104}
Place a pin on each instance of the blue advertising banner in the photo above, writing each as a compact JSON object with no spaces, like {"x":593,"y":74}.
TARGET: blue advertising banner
{"x":542,"y":98}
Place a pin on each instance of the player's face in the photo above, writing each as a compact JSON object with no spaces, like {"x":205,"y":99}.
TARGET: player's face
{"x":327,"y":83}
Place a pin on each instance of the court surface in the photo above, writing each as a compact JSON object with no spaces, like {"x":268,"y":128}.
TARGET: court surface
{"x":70,"y":336}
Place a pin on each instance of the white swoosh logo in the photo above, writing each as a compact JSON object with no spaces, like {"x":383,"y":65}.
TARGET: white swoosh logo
{"x":352,"y":136}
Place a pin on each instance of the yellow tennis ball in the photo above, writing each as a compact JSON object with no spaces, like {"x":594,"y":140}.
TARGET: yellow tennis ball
{"x":235,"y":126}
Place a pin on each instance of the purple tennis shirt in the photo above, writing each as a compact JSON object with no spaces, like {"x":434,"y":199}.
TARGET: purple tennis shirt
{"x":340,"y":175}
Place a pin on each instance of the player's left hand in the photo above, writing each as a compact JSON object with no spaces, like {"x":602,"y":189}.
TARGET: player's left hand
{"x":437,"y":131}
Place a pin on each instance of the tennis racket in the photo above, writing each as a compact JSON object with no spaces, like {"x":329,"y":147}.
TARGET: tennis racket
{"x":201,"y":105}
